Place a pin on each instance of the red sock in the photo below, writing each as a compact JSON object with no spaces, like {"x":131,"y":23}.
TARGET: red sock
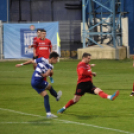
{"x":102,"y":94}
{"x":71,"y":102}
{"x":133,"y":87}
{"x":45,"y":79}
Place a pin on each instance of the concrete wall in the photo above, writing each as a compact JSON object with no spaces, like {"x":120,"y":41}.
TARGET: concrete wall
{"x":105,"y":52}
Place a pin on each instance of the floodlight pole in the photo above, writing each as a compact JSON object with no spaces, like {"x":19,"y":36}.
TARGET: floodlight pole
{"x":113,"y":13}
{"x":84,"y":23}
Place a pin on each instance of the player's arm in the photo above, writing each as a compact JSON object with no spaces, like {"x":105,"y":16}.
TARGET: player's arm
{"x":47,"y":73}
{"x":30,"y":46}
{"x":94,"y":74}
{"x":34,"y":52}
{"x":84,"y":72}
{"x":26,"y":63}
{"x":51,"y":73}
{"x":50,"y":47}
{"x":35,"y":44}
{"x":92,"y":65}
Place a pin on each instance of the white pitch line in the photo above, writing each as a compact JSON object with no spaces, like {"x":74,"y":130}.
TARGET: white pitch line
{"x":71,"y":122}
{"x":46,"y":122}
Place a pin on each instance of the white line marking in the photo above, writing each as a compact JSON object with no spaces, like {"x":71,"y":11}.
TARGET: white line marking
{"x":46,"y":122}
{"x":71,"y":122}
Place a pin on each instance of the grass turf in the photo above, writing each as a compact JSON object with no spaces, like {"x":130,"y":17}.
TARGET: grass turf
{"x":91,"y":114}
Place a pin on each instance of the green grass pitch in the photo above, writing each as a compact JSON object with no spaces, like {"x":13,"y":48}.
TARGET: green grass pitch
{"x":22,"y":109}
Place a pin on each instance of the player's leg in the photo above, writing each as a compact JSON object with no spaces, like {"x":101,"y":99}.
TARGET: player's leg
{"x":69,"y":103}
{"x":80,"y":90}
{"x":53,"y":92}
{"x":40,"y":88}
{"x":132,"y":93}
{"x":102,"y":94}
{"x":46,"y":102}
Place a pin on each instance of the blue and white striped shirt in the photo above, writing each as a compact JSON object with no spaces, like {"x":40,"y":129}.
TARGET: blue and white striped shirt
{"x":42,"y":66}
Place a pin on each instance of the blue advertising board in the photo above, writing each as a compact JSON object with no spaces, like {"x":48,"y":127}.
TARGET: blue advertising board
{"x":17,"y":38}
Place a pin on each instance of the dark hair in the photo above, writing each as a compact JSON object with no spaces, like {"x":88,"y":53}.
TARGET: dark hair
{"x":39,"y":29}
{"x":86,"y":55}
{"x":42,"y":30}
{"x":53,"y":54}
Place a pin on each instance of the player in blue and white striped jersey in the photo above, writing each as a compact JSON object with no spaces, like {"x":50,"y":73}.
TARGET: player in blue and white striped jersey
{"x":44,"y":69}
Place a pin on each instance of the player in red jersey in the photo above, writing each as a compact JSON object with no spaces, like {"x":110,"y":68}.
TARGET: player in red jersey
{"x":34,"y":40}
{"x":43,"y":46}
{"x":85,"y":83}
{"x":132,"y":93}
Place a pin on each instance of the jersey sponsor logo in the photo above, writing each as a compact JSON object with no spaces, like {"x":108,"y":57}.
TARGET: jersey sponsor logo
{"x":43,"y":48}
{"x":41,"y":43}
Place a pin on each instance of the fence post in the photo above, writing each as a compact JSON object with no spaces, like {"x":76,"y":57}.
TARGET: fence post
{"x":1,"y":46}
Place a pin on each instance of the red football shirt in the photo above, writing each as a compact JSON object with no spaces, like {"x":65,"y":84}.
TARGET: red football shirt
{"x":84,"y":72}
{"x":43,"y":47}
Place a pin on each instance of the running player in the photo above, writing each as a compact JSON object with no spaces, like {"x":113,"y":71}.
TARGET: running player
{"x":132,"y":93}
{"x":44,"y":69}
{"x":85,"y":84}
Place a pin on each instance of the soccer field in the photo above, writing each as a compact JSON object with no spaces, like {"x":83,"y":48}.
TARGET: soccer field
{"x":22,"y":109}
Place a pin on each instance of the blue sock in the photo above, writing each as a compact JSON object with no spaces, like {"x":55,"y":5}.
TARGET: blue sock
{"x":53,"y":92}
{"x":46,"y":103}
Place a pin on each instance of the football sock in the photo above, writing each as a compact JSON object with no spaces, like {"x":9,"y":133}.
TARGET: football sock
{"x":70,"y":103}
{"x":53,"y":92}
{"x":103,"y":95}
{"x":45,"y":79}
{"x":46,"y":103}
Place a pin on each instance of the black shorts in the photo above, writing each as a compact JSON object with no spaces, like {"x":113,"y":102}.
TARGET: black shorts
{"x":85,"y":87}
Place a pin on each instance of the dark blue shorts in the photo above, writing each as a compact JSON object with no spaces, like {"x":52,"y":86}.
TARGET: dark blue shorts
{"x":39,"y":86}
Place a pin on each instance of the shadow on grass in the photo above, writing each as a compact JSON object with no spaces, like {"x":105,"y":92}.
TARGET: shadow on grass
{"x":87,"y":117}
{"x":42,"y":122}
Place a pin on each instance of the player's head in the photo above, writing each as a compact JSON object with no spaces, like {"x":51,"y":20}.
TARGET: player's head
{"x":53,"y":57}
{"x":86,"y":57}
{"x":43,"y":33}
{"x":38,"y":32}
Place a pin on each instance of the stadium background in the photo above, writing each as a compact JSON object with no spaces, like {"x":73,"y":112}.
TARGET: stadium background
{"x":21,"y":108}
{"x":67,"y":12}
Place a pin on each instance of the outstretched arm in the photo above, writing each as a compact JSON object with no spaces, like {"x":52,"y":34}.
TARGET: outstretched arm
{"x":92,"y":65}
{"x":25,"y":63}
